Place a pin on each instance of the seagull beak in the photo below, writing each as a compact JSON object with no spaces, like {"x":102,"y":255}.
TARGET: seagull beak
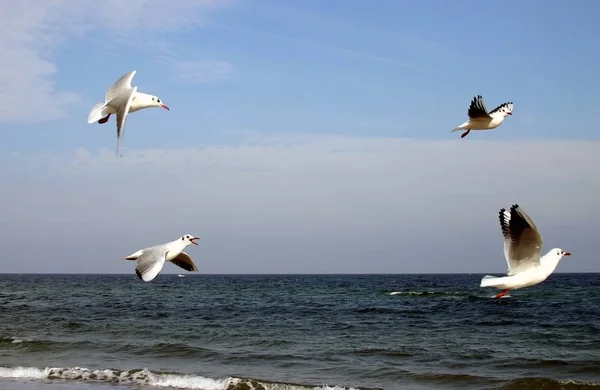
{"x":509,"y":113}
{"x":165,"y":107}
{"x":567,"y":254}
{"x":194,"y":242}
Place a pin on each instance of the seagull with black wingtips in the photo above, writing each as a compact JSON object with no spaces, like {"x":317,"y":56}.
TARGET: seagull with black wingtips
{"x":481,"y":119}
{"x":150,"y":261}
{"x":522,"y":248}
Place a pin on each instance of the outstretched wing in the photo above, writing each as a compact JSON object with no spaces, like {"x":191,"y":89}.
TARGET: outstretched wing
{"x":122,"y":117}
{"x":120,"y":86}
{"x":184,"y":261}
{"x":477,"y":108}
{"x":508,"y":107}
{"x":149,"y":264}
{"x":522,"y":240}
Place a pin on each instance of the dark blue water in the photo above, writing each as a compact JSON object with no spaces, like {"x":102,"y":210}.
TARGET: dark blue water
{"x":297,"y":332}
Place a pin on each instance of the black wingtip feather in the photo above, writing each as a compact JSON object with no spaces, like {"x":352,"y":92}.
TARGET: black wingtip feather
{"x":503,"y":224}
{"x":138,"y":274}
{"x":500,"y":107}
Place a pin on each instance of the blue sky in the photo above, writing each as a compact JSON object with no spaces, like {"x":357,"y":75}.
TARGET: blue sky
{"x":303,"y":100}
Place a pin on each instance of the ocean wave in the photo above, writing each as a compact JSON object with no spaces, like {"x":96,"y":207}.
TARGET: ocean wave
{"x":155,"y":379}
{"x":30,"y":344}
{"x":431,"y":293}
{"x":15,"y":340}
{"x":533,"y":383}
{"x":444,"y":294}
{"x":548,"y":384}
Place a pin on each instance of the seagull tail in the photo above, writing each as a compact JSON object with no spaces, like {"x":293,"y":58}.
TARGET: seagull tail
{"x":464,"y":126}
{"x":99,"y":111}
{"x":490,"y":281}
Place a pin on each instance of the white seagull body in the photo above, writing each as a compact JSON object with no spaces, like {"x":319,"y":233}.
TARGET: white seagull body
{"x":522,"y":248}
{"x":150,"y":261}
{"x":480,"y":119}
{"x":121,"y":99}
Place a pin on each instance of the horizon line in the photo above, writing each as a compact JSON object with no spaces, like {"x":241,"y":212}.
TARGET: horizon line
{"x":286,"y":274}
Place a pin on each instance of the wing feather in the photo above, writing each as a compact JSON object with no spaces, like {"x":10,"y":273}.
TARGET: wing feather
{"x":120,"y":86}
{"x":184,"y":261}
{"x":122,"y":117}
{"x":150,"y":263}
{"x":477,"y":108}
{"x":522,"y":240}
{"x":507,"y":105}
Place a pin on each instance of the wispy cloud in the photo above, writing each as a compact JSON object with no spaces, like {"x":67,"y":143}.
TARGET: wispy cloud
{"x":31,"y":31}
{"x":339,"y":35}
{"x":319,"y":45}
{"x":298,"y":203}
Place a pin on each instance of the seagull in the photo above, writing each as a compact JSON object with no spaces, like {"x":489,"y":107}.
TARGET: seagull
{"x":149,"y":261}
{"x":522,"y":247}
{"x":122,"y":99}
{"x":480,"y":119}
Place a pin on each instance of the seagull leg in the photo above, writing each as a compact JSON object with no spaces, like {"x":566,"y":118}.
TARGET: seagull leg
{"x":500,"y":295}
{"x":462,"y":136}
{"x":104,"y":120}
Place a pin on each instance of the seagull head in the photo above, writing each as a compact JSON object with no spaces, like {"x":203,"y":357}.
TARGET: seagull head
{"x":188,"y":239}
{"x":558,"y":252}
{"x":156,"y":102}
{"x":507,"y":109}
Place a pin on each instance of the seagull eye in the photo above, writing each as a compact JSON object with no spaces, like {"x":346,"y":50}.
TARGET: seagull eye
{"x":158,"y":100}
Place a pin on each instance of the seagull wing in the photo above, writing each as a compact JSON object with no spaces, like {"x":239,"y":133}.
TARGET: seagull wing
{"x":522,"y":240}
{"x":150,"y":262}
{"x":477,"y":108}
{"x":120,"y":86}
{"x":122,"y":117}
{"x":184,"y":261}
{"x":507,"y":105}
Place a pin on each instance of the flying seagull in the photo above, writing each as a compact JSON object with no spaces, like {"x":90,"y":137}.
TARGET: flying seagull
{"x":121,"y":99}
{"x":480,"y":119}
{"x":522,"y":248}
{"x":150,"y":261}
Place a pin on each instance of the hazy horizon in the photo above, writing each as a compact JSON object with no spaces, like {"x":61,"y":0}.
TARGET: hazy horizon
{"x":186,"y":273}
{"x":302,"y":137}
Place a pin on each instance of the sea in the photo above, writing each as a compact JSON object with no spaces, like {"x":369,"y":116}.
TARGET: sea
{"x":296,"y":332}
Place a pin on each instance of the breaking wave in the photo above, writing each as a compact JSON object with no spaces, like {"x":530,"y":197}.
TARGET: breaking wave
{"x":149,"y":378}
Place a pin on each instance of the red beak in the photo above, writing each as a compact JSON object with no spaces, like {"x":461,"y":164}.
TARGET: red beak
{"x":194,"y":242}
{"x":567,"y":253}
{"x":165,"y":107}
{"x":509,"y":113}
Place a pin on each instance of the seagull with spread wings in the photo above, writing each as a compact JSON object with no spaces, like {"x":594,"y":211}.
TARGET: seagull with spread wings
{"x":481,"y":119}
{"x":122,"y":99}
{"x":522,"y":248}
{"x":150,"y":261}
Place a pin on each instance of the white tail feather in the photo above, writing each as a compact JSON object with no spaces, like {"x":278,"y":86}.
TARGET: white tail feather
{"x":490,"y":281}
{"x":99,"y":111}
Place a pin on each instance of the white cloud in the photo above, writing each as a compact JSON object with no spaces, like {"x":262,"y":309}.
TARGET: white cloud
{"x":31,"y":31}
{"x":293,"y":203}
